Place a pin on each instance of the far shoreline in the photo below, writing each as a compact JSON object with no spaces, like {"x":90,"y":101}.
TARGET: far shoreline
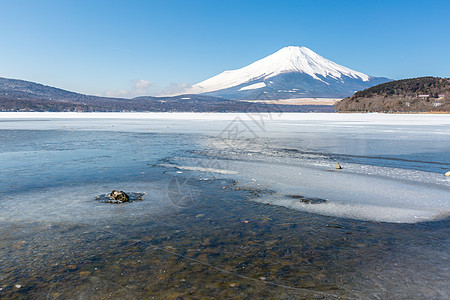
{"x":272,"y":116}
{"x":398,"y":112}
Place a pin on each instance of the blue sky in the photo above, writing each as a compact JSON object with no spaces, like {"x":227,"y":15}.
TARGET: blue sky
{"x":127,"y":48}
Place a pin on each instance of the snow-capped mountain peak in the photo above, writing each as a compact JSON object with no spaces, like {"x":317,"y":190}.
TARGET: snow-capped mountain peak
{"x":304,"y":60}
{"x":286,"y":60}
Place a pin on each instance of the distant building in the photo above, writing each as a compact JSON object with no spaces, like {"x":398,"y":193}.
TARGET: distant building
{"x":424,"y":96}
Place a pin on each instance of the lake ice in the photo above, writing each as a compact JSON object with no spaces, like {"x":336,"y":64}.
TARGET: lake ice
{"x":208,"y":179}
{"x":393,"y":165}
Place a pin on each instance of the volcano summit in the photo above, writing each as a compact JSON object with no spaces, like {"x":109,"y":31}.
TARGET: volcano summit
{"x":292,"y":72}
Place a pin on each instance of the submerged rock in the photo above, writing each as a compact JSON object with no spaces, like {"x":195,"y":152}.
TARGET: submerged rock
{"x":338,"y":166}
{"x":118,"y":197}
{"x":307,"y":200}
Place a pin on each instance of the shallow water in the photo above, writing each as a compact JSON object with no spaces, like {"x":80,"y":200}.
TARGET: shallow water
{"x":216,"y":220}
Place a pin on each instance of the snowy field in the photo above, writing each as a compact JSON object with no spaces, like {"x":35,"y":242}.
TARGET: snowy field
{"x":372,"y":118}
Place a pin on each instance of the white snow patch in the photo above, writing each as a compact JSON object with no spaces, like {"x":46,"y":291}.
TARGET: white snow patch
{"x":200,"y":169}
{"x":353,"y":119}
{"x":253,"y":86}
{"x":378,"y":213}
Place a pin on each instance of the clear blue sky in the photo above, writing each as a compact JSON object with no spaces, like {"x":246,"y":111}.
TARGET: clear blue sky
{"x":132,"y":47}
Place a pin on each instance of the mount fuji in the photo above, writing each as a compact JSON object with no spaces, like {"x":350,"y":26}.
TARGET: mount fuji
{"x":292,"y":72}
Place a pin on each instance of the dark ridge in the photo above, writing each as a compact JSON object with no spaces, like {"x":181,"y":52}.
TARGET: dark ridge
{"x":20,"y":95}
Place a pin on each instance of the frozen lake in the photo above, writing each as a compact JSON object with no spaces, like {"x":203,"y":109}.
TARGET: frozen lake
{"x":384,"y":215}
{"x":393,"y":165}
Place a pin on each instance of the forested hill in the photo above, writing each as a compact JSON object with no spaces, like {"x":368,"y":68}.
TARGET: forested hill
{"x":423,"y":94}
{"x":20,"y":95}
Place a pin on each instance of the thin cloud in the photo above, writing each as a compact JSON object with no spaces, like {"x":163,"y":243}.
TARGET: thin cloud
{"x":175,"y":88}
{"x":140,"y":87}
{"x":142,"y":84}
{"x":117,"y":93}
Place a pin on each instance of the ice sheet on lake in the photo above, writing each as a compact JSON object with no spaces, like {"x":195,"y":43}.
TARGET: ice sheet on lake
{"x":358,"y":191}
{"x":374,"y":197}
{"x":78,"y":204}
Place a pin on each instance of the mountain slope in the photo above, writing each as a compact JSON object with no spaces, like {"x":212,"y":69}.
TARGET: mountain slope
{"x":20,"y":95}
{"x":423,"y":94}
{"x":292,"y":72}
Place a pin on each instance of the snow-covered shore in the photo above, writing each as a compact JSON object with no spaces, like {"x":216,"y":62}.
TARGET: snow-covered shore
{"x":404,"y":119}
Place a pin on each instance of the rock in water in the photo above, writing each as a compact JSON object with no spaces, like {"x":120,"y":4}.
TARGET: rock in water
{"x":119,"y":196}
{"x":338,"y":166}
{"x":307,"y":200}
{"x":447,"y":174}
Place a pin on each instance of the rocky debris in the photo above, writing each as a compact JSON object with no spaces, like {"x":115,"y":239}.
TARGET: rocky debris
{"x":338,"y":166}
{"x":307,"y":200}
{"x":118,"y":197}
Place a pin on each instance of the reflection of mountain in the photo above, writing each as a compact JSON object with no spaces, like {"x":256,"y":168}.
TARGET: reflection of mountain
{"x":292,"y":72}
